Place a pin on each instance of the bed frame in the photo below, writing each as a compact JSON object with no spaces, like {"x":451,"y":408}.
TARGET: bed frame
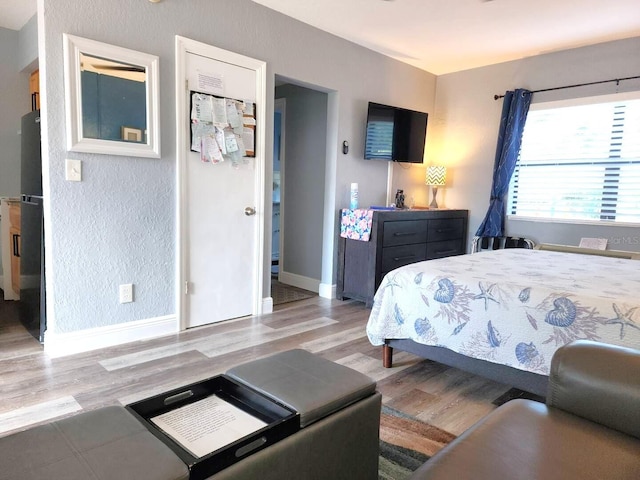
{"x":527,"y":381}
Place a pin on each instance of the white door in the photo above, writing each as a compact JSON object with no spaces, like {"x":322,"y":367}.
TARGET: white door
{"x":221,"y":236}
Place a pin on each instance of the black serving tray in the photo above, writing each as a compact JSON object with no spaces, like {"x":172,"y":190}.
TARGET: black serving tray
{"x":281,"y":421}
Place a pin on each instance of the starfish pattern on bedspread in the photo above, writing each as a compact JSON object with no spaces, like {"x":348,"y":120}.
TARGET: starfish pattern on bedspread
{"x":486,"y":294}
{"x":623,"y":319}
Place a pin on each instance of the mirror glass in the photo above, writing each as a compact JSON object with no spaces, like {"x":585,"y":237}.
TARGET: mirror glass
{"x":112,"y":99}
{"x":114,"y":103}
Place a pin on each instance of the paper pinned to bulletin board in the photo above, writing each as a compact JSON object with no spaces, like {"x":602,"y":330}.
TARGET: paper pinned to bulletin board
{"x":222,"y":128}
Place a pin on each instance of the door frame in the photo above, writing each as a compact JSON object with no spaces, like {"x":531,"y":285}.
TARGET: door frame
{"x":184,"y":46}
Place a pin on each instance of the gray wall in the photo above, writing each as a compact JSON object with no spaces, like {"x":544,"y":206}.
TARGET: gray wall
{"x":14,"y":98}
{"x":117,"y":225}
{"x":463,"y":132}
{"x":304,"y":171}
{"x":15,"y":101}
{"x":28,"y":45}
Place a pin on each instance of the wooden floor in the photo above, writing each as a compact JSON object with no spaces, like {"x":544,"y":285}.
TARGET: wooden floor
{"x":35,"y":388}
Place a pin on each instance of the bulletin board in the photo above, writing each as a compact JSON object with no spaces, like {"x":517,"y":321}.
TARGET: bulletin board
{"x":222,"y":129}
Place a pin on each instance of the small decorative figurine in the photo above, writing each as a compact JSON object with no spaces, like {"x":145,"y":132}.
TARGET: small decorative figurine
{"x":400,"y":198}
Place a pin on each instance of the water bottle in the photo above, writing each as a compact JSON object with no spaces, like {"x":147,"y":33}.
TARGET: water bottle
{"x":353,"y":204}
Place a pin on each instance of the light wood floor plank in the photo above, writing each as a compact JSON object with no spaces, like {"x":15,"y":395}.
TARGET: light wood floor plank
{"x":42,"y":412}
{"x":373,"y":367}
{"x":223,"y":346}
{"x":199,"y":344}
{"x":333,"y":340}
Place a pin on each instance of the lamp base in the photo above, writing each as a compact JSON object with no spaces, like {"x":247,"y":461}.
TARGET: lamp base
{"x":434,"y":203}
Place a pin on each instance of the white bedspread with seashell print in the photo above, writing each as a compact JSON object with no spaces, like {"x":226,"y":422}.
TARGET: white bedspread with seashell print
{"x":514,"y":306}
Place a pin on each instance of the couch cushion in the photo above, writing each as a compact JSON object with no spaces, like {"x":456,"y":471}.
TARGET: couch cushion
{"x":104,"y":444}
{"x":309,"y":384}
{"x":528,"y":440}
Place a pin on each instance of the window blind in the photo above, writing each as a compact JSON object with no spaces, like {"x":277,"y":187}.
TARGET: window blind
{"x":379,"y":144}
{"x":580,"y":162}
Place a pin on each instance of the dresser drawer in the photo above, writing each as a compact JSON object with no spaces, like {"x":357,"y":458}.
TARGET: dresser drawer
{"x":445,"y":229}
{"x":444,"y":248}
{"x":404,"y":232}
{"x":394,"y":257}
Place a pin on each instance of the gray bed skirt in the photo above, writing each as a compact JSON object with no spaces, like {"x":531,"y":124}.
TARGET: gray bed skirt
{"x":527,"y":381}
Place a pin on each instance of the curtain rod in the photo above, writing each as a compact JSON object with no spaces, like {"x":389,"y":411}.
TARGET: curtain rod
{"x":617,"y":80}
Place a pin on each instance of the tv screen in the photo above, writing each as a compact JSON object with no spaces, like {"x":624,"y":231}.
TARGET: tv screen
{"x":395,"y":134}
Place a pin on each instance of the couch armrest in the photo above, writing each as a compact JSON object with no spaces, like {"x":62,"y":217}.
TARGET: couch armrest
{"x":598,"y":382}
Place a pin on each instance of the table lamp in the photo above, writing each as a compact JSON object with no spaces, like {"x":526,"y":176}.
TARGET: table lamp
{"x":436,"y":176}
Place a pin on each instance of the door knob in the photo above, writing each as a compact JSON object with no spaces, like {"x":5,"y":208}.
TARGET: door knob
{"x":249,"y":211}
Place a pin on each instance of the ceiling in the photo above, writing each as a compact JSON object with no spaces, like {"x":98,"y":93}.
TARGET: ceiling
{"x":15,"y":13}
{"x":443,"y":36}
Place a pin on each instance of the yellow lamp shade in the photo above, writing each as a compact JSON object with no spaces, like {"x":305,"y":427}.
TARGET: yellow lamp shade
{"x":436,"y":175}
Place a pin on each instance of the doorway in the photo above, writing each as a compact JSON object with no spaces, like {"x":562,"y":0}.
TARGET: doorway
{"x":300,"y":166}
{"x":279,"y":134}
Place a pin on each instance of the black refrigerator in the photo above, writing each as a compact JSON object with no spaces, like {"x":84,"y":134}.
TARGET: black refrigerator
{"x":32,"y":297}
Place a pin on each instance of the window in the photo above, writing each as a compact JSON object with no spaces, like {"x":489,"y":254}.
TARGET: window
{"x":580,"y":160}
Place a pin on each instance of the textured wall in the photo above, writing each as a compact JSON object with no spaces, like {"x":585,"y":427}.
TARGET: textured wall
{"x":117,"y":226}
{"x":463,"y":132}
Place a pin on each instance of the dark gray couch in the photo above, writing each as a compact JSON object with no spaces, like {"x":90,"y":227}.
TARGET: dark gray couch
{"x":589,"y":427}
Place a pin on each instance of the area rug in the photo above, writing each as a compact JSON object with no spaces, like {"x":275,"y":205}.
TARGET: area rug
{"x":406,"y":443}
{"x":514,"y":393}
{"x":281,"y":293}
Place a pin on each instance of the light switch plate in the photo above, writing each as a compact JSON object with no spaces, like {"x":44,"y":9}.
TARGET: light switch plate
{"x":73,"y":170}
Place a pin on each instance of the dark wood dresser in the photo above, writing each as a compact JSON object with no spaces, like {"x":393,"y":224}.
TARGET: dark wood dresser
{"x":397,"y":238}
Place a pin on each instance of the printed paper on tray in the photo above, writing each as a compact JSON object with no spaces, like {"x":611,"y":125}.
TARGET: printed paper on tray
{"x":205,"y":426}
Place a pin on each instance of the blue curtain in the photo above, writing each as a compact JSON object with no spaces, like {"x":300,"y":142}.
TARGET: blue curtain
{"x":514,"y":113}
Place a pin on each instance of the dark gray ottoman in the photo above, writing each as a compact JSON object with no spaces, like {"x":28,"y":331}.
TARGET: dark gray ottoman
{"x":105,"y":444}
{"x":339,"y":415}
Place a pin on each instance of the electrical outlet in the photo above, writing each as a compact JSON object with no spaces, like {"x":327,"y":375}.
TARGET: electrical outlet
{"x":73,"y":170}
{"x":126,"y":293}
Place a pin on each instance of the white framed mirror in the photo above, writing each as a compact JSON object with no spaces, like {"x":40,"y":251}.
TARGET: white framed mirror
{"x":111,"y":99}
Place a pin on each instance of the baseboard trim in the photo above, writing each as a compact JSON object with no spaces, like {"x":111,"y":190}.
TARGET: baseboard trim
{"x":299,"y":281}
{"x":327,"y":290}
{"x":267,"y":305}
{"x":63,"y":344}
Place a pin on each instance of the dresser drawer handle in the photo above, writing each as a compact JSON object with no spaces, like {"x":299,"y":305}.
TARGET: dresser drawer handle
{"x":406,"y":257}
{"x":446,"y":252}
{"x":445,"y":230}
{"x":403,"y":234}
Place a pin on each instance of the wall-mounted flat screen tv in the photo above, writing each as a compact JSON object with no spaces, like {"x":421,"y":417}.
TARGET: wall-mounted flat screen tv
{"x":395,"y":134}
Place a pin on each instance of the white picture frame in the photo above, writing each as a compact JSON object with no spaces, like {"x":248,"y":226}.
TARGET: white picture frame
{"x":77,"y":48}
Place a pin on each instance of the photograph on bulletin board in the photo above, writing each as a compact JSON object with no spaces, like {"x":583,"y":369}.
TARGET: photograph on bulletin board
{"x":222,"y":128}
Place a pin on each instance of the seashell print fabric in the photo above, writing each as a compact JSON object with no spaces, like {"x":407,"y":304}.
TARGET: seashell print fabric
{"x":515,"y":307}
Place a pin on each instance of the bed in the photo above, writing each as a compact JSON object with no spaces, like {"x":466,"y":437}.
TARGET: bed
{"x":502,"y":314}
